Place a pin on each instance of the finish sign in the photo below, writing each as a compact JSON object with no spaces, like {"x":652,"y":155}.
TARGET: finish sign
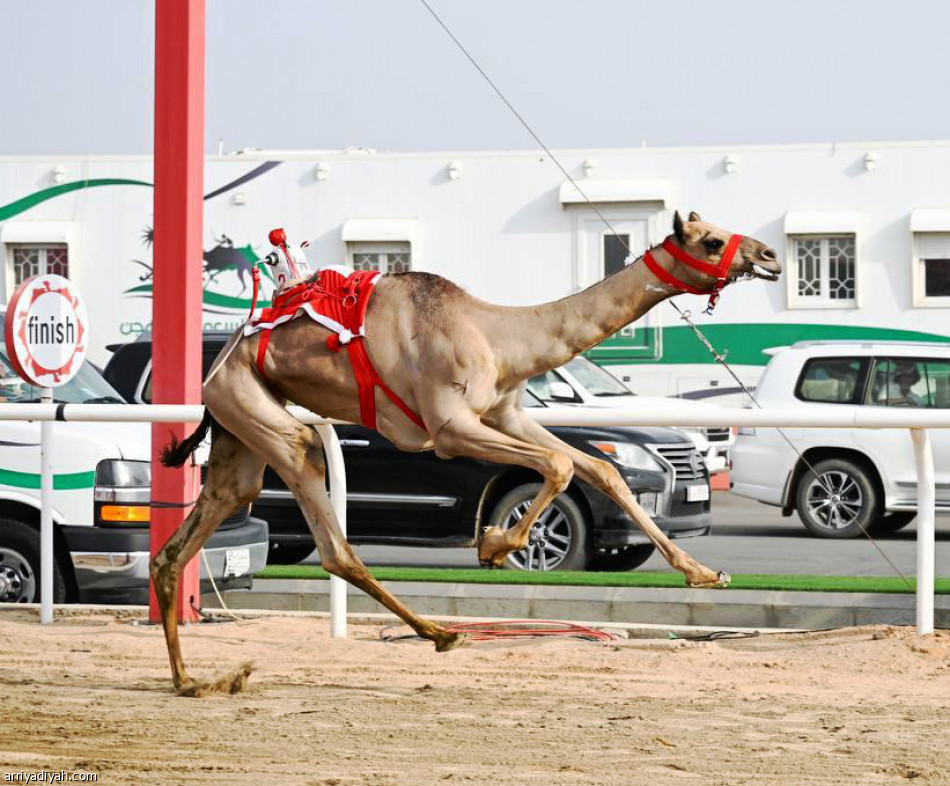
{"x":45,"y":331}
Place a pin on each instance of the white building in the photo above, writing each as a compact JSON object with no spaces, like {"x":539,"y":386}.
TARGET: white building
{"x":863,"y":231}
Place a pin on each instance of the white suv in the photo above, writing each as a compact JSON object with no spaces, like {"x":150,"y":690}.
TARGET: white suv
{"x":581,"y":381}
{"x":862,"y":477}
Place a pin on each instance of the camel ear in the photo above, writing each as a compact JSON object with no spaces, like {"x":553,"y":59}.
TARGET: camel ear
{"x":694,"y":216}
{"x":678,"y":229}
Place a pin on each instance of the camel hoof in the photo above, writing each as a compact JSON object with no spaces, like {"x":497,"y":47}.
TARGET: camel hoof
{"x":721,"y":581}
{"x":450,"y":641}
{"x":493,"y":548}
{"x":230,"y":684}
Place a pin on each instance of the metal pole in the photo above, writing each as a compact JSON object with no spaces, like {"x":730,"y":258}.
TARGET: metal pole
{"x":46,"y":514}
{"x":337,"y":474}
{"x":926,"y":521}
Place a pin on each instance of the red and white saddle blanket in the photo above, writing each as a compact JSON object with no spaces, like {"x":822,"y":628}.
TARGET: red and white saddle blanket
{"x":337,"y":299}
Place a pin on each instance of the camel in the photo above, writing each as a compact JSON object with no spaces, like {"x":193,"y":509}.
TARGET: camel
{"x":461,"y":364}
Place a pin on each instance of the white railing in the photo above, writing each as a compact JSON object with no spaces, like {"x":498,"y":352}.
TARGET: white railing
{"x":916,"y":421}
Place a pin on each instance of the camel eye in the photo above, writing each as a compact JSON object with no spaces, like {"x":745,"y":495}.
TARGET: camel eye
{"x":713,"y":244}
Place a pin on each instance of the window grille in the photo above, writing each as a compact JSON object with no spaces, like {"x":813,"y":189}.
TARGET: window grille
{"x":825,"y":268}
{"x":384,"y":257}
{"x":32,"y":260}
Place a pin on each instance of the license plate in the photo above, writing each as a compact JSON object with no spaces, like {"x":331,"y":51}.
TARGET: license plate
{"x":237,"y":562}
{"x":647,"y":501}
{"x":697,"y":493}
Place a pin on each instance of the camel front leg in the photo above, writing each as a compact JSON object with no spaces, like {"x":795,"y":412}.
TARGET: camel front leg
{"x":604,"y":476}
{"x":469,"y":437}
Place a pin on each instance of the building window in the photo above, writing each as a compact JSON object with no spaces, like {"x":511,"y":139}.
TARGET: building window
{"x":384,"y":257}
{"x":932,"y":268}
{"x":825,"y":270}
{"x":36,"y":260}
{"x":615,"y":252}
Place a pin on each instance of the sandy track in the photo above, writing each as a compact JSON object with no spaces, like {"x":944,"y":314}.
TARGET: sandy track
{"x":861,"y":706}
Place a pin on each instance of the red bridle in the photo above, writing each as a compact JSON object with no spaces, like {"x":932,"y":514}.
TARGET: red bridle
{"x":718,"y":272}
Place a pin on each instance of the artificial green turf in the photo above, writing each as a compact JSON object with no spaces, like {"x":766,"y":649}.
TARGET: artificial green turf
{"x":749,"y":581}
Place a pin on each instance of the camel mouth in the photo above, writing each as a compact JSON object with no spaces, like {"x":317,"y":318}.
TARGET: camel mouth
{"x":759,"y":270}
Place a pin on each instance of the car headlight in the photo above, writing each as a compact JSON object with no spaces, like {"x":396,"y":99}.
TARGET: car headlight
{"x":123,"y":492}
{"x":626,"y":454}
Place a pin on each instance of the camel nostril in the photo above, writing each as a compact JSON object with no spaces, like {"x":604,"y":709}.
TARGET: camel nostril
{"x":768,"y":253}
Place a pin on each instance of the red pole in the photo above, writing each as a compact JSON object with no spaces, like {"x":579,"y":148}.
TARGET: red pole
{"x":177,"y":308}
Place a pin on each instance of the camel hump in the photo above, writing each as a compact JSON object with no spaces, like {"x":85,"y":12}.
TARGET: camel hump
{"x":428,"y":291}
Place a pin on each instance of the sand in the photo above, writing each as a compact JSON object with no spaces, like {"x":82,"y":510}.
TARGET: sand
{"x":92,"y":693}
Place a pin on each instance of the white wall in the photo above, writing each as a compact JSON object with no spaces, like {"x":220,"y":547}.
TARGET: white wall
{"x":500,"y":230}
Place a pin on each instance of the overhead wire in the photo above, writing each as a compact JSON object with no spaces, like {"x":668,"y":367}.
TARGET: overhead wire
{"x":684,"y":315}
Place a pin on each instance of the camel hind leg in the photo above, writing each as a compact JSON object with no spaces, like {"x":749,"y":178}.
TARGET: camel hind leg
{"x":234,"y":479}
{"x":295,"y":452}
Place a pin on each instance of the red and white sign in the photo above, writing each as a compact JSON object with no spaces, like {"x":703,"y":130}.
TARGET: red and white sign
{"x":45,"y":331}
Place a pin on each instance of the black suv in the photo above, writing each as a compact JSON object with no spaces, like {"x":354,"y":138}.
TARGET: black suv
{"x":418,"y":499}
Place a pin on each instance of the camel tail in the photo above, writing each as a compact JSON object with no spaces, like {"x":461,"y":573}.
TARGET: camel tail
{"x":176,"y":453}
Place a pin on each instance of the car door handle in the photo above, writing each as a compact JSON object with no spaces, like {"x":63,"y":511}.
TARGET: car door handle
{"x":354,"y":443}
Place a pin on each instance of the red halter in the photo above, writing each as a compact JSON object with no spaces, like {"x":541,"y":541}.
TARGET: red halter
{"x":718,"y":272}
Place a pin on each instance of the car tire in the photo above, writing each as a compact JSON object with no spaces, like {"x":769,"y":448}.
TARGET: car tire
{"x":289,"y":553}
{"x":622,"y":559}
{"x":893,"y":521}
{"x":837,"y":499}
{"x":558,"y":538}
{"x":20,"y":577}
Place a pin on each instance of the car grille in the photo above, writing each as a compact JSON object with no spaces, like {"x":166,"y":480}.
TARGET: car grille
{"x":686,"y":461}
{"x":717,"y":434}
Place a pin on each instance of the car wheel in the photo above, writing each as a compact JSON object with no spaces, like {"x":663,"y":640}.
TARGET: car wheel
{"x":837,"y":499}
{"x":20,"y":578}
{"x":891,"y":522}
{"x":558,"y":539}
{"x":624,"y":558}
{"x":289,"y":553}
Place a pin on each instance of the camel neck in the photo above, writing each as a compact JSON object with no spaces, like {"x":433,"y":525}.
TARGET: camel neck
{"x":547,"y":336}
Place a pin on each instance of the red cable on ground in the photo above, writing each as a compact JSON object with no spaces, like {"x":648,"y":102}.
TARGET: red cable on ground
{"x":512,"y":629}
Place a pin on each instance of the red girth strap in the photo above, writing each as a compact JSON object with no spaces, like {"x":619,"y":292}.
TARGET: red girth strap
{"x":718,"y":272}
{"x":368,"y":380}
{"x":356,"y":293}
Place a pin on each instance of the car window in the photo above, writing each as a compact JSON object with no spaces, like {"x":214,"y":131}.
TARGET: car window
{"x":87,"y":387}
{"x":207,"y":358}
{"x":595,"y":379}
{"x":530,"y":401}
{"x":540,"y":384}
{"x":910,"y":382}
{"x":832,"y":380}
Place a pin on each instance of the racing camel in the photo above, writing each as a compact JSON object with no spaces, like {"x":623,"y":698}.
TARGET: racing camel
{"x":440,"y":370}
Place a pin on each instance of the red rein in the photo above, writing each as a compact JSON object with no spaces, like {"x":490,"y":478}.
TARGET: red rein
{"x":718,"y":272}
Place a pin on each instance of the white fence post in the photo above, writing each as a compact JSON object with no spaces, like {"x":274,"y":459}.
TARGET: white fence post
{"x":926,"y":524}
{"x":337,"y":474}
{"x":46,"y":513}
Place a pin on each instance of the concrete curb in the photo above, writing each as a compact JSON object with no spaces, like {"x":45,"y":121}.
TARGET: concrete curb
{"x":731,"y":609}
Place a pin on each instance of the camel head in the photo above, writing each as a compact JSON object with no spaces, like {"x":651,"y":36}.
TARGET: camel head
{"x":706,"y":243}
